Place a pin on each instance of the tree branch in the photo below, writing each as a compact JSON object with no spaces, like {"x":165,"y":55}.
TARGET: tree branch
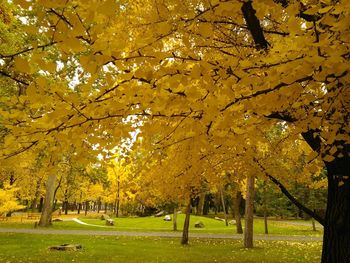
{"x":284,"y":190}
{"x":253,"y":25}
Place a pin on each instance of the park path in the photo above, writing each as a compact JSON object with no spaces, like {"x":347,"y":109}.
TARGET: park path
{"x":76,"y":220}
{"x":154,"y":234}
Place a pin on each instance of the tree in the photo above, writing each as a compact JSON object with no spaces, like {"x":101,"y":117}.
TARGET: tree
{"x":210,"y":70}
{"x":8,"y":200}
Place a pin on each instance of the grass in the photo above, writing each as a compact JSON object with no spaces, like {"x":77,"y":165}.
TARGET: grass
{"x":158,"y":224}
{"x":34,"y":248}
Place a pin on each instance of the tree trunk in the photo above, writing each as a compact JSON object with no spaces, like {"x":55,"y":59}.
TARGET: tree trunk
{"x":118,"y":198}
{"x":86,"y":207}
{"x":79,"y":207}
{"x":336,"y":237}
{"x":200,"y":204}
{"x":36,"y":195}
{"x":117,"y":208}
{"x":313,"y":224}
{"x":237,"y":214}
{"x":249,"y":211}
{"x":223,"y":205}
{"x":175,"y":219}
{"x":41,"y":204}
{"x":99,"y":205}
{"x":184,"y":240}
{"x":265,"y":210}
{"x":65,"y":204}
{"x":106,"y":207}
{"x":45,"y":219}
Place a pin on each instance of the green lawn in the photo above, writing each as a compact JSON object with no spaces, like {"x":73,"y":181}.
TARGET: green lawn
{"x":34,"y":248}
{"x":158,"y":224}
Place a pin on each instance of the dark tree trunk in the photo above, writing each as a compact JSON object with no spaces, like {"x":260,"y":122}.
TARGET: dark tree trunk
{"x":184,"y":240}
{"x":54,"y":205}
{"x":86,"y":207}
{"x":206,"y":205}
{"x":118,"y":199}
{"x":249,"y":212}
{"x":36,"y":195}
{"x":200,"y":206}
{"x":98,"y":205}
{"x":66,"y":207}
{"x":313,"y":224}
{"x":175,"y":219}
{"x":336,"y":238}
{"x":237,"y":214}
{"x":41,"y":204}
{"x":65,"y":203}
{"x":117,"y":208}
{"x":80,"y":204}
{"x":265,"y":210}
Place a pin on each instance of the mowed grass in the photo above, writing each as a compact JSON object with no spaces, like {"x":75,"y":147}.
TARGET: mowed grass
{"x":158,"y":224}
{"x":34,"y":248}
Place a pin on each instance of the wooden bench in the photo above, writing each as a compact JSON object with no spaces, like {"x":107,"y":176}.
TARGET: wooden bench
{"x":33,"y":216}
{"x":4,"y":218}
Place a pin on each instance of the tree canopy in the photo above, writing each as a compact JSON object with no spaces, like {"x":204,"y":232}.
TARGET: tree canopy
{"x":200,"y":81}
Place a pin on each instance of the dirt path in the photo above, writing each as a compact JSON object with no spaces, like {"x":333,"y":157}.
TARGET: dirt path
{"x":154,"y":234}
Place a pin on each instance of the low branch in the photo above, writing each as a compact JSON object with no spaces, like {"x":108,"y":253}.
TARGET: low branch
{"x":284,"y":190}
{"x":265,"y":91}
{"x":13,"y":78}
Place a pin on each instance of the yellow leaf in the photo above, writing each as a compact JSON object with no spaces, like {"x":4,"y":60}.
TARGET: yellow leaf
{"x":312,"y":10}
{"x":74,"y":44}
{"x":108,"y":8}
{"x":164,"y":28}
{"x":325,"y":9}
{"x":205,"y":29}
{"x":22,"y":65}
{"x":333,"y":150}
{"x":23,"y":3}
{"x":328,"y":158}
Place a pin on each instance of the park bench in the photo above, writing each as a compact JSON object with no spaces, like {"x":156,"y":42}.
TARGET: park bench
{"x":3,"y":218}
{"x":33,"y":216}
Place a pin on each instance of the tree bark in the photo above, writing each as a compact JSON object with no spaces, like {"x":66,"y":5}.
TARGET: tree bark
{"x":36,"y":195}
{"x":65,"y":204}
{"x":237,"y":214}
{"x":45,"y":219}
{"x":99,"y":204}
{"x":265,"y":209}
{"x":86,"y":207}
{"x":249,"y":211}
{"x":313,"y":224}
{"x":175,"y":219}
{"x":41,"y":204}
{"x":200,"y":204}
{"x":184,"y":240}
{"x":336,"y":237}
{"x":223,"y":206}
